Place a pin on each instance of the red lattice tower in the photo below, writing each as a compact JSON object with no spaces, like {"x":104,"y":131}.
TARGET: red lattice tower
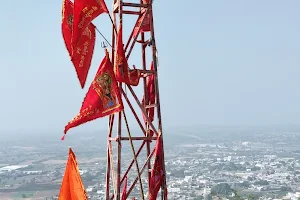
{"x":138,"y":168}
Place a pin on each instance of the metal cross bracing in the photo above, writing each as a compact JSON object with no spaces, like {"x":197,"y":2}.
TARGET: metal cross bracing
{"x":141,"y":143}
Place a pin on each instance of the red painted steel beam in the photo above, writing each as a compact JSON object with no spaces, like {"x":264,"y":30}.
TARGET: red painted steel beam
{"x":145,"y":127}
{"x":135,"y":5}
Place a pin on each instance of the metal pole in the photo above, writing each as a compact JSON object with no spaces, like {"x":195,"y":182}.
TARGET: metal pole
{"x":116,"y":178}
{"x":118,"y":197}
{"x":145,"y":97}
{"x":111,"y":122}
{"x":157,"y":97}
{"x":135,"y":160}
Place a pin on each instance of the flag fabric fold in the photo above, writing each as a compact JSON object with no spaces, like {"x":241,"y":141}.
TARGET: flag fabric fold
{"x":72,"y":187}
{"x":147,"y":1}
{"x":124,"y":192}
{"x":83,"y":52}
{"x":85,"y":11}
{"x":143,"y":23}
{"x":121,"y":68}
{"x":151,"y":96}
{"x":103,"y":97}
{"x":157,"y":173}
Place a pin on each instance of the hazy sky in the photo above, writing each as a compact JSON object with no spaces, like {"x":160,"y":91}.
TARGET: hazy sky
{"x":221,"y":63}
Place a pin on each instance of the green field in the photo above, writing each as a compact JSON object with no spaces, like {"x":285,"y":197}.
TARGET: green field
{"x":23,"y":195}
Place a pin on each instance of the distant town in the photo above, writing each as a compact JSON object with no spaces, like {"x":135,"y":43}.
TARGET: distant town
{"x":204,"y":164}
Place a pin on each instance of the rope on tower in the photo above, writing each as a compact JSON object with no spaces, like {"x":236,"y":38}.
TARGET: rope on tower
{"x":103,"y":36}
{"x":113,"y":175}
{"x":133,"y":151}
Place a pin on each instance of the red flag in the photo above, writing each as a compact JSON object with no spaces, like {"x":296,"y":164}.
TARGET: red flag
{"x":121,"y":68}
{"x":72,"y":187}
{"x":85,"y":11}
{"x":157,"y":171}
{"x":147,"y":1}
{"x":166,"y":193}
{"x":83,"y":52}
{"x":150,"y":90}
{"x":103,"y":97}
{"x":150,"y":133}
{"x":143,"y":23}
{"x":124,"y":193}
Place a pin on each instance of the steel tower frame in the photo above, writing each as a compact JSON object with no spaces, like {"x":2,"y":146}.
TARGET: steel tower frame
{"x":115,"y":177}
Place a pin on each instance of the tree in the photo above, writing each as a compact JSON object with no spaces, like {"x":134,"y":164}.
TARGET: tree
{"x":245,"y":184}
{"x":222,"y":188}
{"x":252,"y":197}
{"x":193,"y":194}
{"x":255,"y":168}
{"x":207,"y":197}
{"x":178,"y":173}
{"x":261,"y":182}
{"x":88,"y":177}
{"x":290,"y":168}
{"x":236,"y":195}
{"x":285,"y":189}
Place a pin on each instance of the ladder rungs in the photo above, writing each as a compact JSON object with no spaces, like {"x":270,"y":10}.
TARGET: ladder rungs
{"x":139,"y":138}
{"x":150,"y":106}
{"x":137,"y":5}
{"x":148,"y":71}
{"x":134,"y":138}
{"x":131,"y":12}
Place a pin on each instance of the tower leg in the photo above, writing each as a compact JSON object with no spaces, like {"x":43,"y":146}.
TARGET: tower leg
{"x":139,"y":178}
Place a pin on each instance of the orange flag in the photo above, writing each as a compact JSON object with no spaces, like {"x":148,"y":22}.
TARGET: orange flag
{"x":121,"y":68}
{"x":102,"y":99}
{"x":72,"y":187}
{"x":83,"y":52}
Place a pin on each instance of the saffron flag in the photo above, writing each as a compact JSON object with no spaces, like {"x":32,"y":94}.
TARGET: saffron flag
{"x":124,"y":192}
{"x":151,"y":96}
{"x":83,"y":52}
{"x":72,"y":187}
{"x":157,"y":173}
{"x":143,"y":23}
{"x":121,"y":68}
{"x":85,"y":11}
{"x":103,"y":97}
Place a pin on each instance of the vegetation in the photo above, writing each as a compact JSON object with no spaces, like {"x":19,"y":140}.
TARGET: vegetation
{"x":222,"y":188}
{"x":261,"y":182}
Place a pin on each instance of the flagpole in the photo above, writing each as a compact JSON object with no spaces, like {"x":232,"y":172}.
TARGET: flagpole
{"x":163,"y":196}
{"x":120,"y":2}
